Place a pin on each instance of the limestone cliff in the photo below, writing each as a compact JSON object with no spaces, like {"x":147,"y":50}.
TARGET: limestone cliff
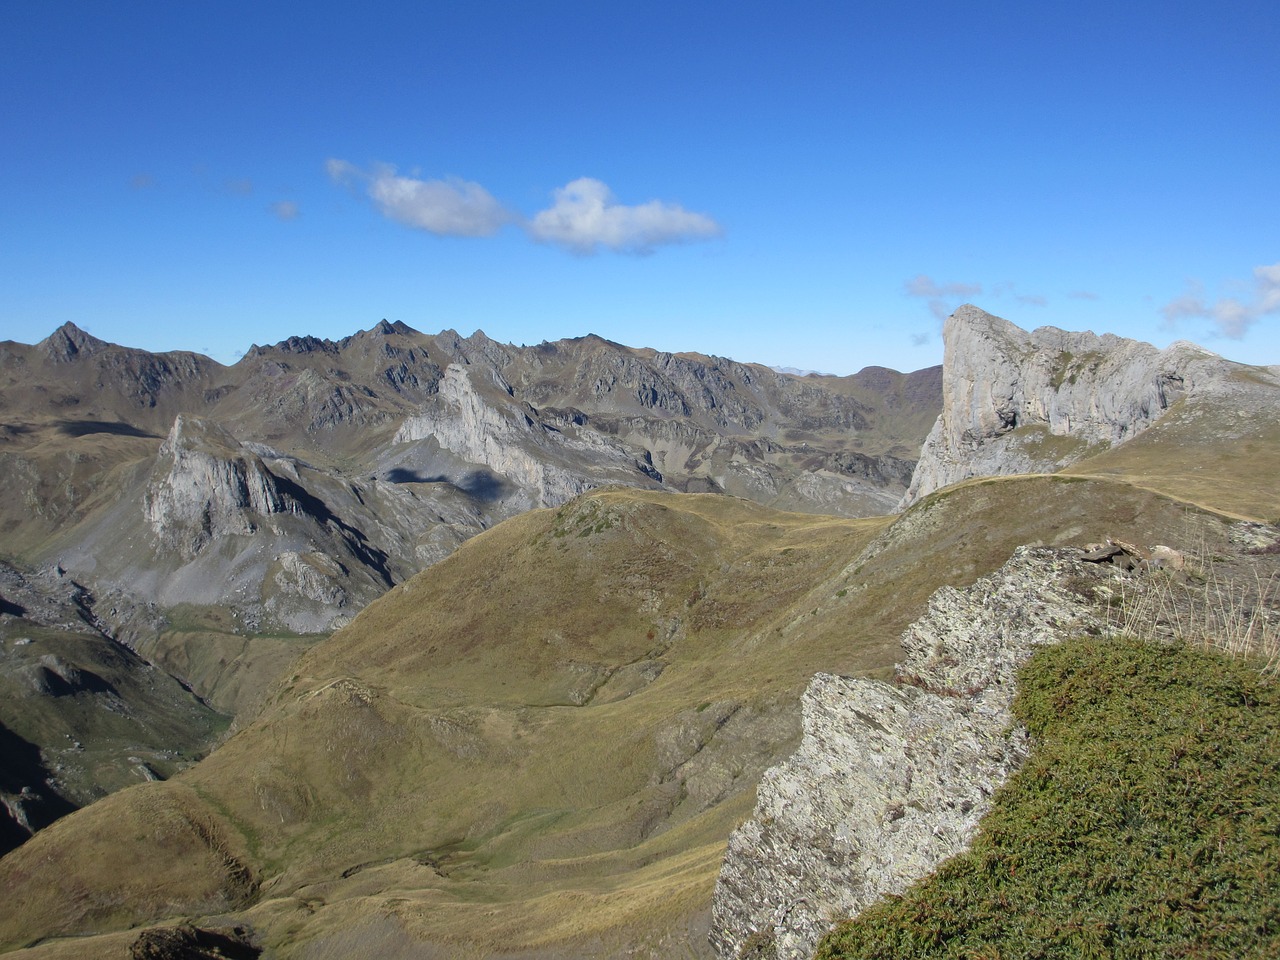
{"x":548,"y":462}
{"x":891,"y":779}
{"x":1018,"y":402}
{"x":206,"y":485}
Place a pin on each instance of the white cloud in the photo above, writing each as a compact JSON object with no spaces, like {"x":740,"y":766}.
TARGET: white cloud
{"x":1230,"y":316}
{"x":285,"y":210}
{"x":925,"y":286}
{"x":448,"y":208}
{"x":1083,"y":295}
{"x":341,"y":172}
{"x":241,"y":187}
{"x":586,"y":216}
{"x":1032,"y":300}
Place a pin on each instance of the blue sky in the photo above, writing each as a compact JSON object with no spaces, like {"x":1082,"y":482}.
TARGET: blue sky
{"x":801,"y":184}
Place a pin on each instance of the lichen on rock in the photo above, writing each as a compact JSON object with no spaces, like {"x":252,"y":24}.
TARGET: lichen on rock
{"x":890,"y":779}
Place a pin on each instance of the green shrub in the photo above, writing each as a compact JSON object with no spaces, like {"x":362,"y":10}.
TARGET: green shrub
{"x":1145,"y":824}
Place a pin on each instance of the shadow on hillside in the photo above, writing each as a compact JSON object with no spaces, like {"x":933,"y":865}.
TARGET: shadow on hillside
{"x":188,"y":942}
{"x":32,"y":805}
{"x":371,"y":556}
{"x":83,"y":428}
{"x":480,"y":484}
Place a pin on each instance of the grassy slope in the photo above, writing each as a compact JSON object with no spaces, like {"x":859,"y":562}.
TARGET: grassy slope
{"x":1205,"y":453}
{"x":1145,"y":824}
{"x":499,"y":755}
{"x":54,"y":479}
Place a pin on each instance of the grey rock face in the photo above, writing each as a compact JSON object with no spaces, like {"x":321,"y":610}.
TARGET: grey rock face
{"x":516,"y":444}
{"x":891,"y":779}
{"x":207,"y":486}
{"x":1018,"y":402}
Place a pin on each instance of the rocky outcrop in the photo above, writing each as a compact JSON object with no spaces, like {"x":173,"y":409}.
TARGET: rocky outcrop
{"x":1018,"y":402}
{"x":549,"y":465}
{"x":188,"y":942}
{"x":890,"y":779}
{"x":206,"y":485}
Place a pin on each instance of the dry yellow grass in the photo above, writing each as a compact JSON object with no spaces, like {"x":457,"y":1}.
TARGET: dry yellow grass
{"x":1218,"y":458}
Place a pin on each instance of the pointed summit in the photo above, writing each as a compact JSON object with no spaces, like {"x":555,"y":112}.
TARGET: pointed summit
{"x":68,"y":342}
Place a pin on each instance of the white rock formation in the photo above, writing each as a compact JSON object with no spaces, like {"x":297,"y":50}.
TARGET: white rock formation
{"x":206,"y":485}
{"x":512,"y":441}
{"x":891,"y":779}
{"x":1018,"y":402}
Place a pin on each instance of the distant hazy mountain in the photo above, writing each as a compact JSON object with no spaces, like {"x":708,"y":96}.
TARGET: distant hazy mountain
{"x":797,"y":372}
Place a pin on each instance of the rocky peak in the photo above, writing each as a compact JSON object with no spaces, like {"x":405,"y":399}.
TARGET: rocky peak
{"x":69,"y":342}
{"x":295,"y":345}
{"x":206,"y":485}
{"x":1019,"y":402}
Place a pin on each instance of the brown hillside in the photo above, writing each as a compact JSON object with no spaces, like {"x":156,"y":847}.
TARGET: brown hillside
{"x":542,"y":743}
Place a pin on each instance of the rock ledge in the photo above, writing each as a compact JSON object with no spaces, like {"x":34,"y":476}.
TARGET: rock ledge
{"x":890,"y":779}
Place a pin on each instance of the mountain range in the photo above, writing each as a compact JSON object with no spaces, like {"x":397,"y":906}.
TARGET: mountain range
{"x":579,"y":591}
{"x":216,"y":521}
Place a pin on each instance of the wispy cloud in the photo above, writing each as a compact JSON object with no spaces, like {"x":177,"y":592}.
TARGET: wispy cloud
{"x":142,"y":181}
{"x":923,"y":285}
{"x":1083,"y":295}
{"x":285,"y":210}
{"x":586,"y":216}
{"x":240,"y":187}
{"x":942,"y":297}
{"x":1231,"y":316}
{"x":1188,"y":305}
{"x":940,"y":309}
{"x":447,"y":208}
{"x":1025,"y":299}
{"x":340,"y":171}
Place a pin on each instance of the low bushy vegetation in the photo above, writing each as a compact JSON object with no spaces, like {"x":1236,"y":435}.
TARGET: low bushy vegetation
{"x":1145,"y":824}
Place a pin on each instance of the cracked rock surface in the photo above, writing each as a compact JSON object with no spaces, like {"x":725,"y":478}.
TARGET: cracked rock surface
{"x":890,"y":779}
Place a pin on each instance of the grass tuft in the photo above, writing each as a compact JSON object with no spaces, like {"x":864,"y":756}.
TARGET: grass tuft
{"x":1208,"y":604}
